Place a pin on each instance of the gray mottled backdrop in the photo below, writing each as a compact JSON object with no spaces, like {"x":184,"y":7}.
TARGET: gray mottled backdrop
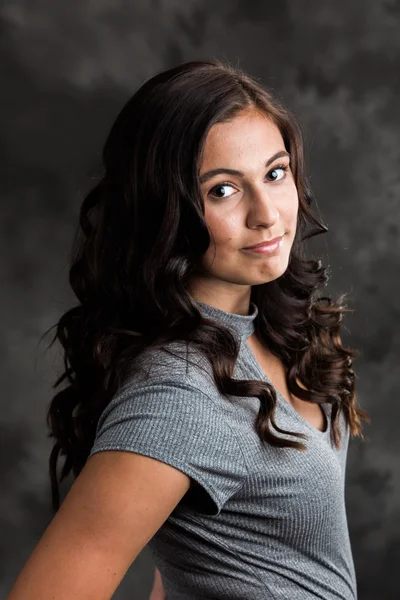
{"x":66,"y":70}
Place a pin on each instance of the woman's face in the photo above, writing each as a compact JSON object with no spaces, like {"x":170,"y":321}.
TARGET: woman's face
{"x":258,"y":204}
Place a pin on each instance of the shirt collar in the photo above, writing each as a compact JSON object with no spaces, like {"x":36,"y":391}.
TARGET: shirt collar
{"x":241,"y":325}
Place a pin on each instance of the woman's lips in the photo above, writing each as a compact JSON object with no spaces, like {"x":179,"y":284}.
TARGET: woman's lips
{"x":266,"y":243}
{"x":267,"y":247}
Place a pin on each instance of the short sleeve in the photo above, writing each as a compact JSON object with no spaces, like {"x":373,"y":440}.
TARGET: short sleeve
{"x":179,"y":425}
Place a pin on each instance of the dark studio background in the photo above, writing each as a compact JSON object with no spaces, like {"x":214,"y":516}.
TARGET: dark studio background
{"x":67,"y":68}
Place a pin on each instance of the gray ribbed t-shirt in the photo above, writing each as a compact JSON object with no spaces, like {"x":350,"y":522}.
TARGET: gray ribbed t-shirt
{"x":258,"y":522}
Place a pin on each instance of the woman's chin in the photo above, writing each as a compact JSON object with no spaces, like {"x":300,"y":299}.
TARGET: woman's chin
{"x":269,"y":273}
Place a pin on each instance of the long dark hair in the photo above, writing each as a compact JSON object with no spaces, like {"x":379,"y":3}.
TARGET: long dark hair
{"x":141,"y":235}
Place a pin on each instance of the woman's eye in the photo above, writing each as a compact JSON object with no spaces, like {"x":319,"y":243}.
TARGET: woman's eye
{"x":279,"y":168}
{"x":218,"y":187}
{"x":215,"y":191}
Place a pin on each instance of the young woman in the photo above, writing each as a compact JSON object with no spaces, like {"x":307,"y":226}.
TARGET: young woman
{"x":196,"y":362}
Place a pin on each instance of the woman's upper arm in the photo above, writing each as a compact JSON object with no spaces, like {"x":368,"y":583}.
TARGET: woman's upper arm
{"x":115,"y":506}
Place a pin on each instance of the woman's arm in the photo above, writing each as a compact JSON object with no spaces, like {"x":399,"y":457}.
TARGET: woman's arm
{"x":157,"y":592}
{"x":111,"y":512}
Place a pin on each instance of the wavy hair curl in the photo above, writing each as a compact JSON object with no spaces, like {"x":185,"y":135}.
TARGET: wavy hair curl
{"x":140,"y":237}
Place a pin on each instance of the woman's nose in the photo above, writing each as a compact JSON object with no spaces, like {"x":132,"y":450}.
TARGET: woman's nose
{"x":263,"y":208}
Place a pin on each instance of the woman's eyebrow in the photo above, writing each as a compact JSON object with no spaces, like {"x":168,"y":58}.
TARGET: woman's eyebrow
{"x":206,"y":176}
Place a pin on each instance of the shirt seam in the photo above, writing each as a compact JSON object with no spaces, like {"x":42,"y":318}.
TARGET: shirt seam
{"x":214,"y":407}
{"x":237,"y":555}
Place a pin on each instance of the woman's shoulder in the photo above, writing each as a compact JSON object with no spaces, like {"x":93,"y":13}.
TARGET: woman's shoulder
{"x":178,"y":362}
